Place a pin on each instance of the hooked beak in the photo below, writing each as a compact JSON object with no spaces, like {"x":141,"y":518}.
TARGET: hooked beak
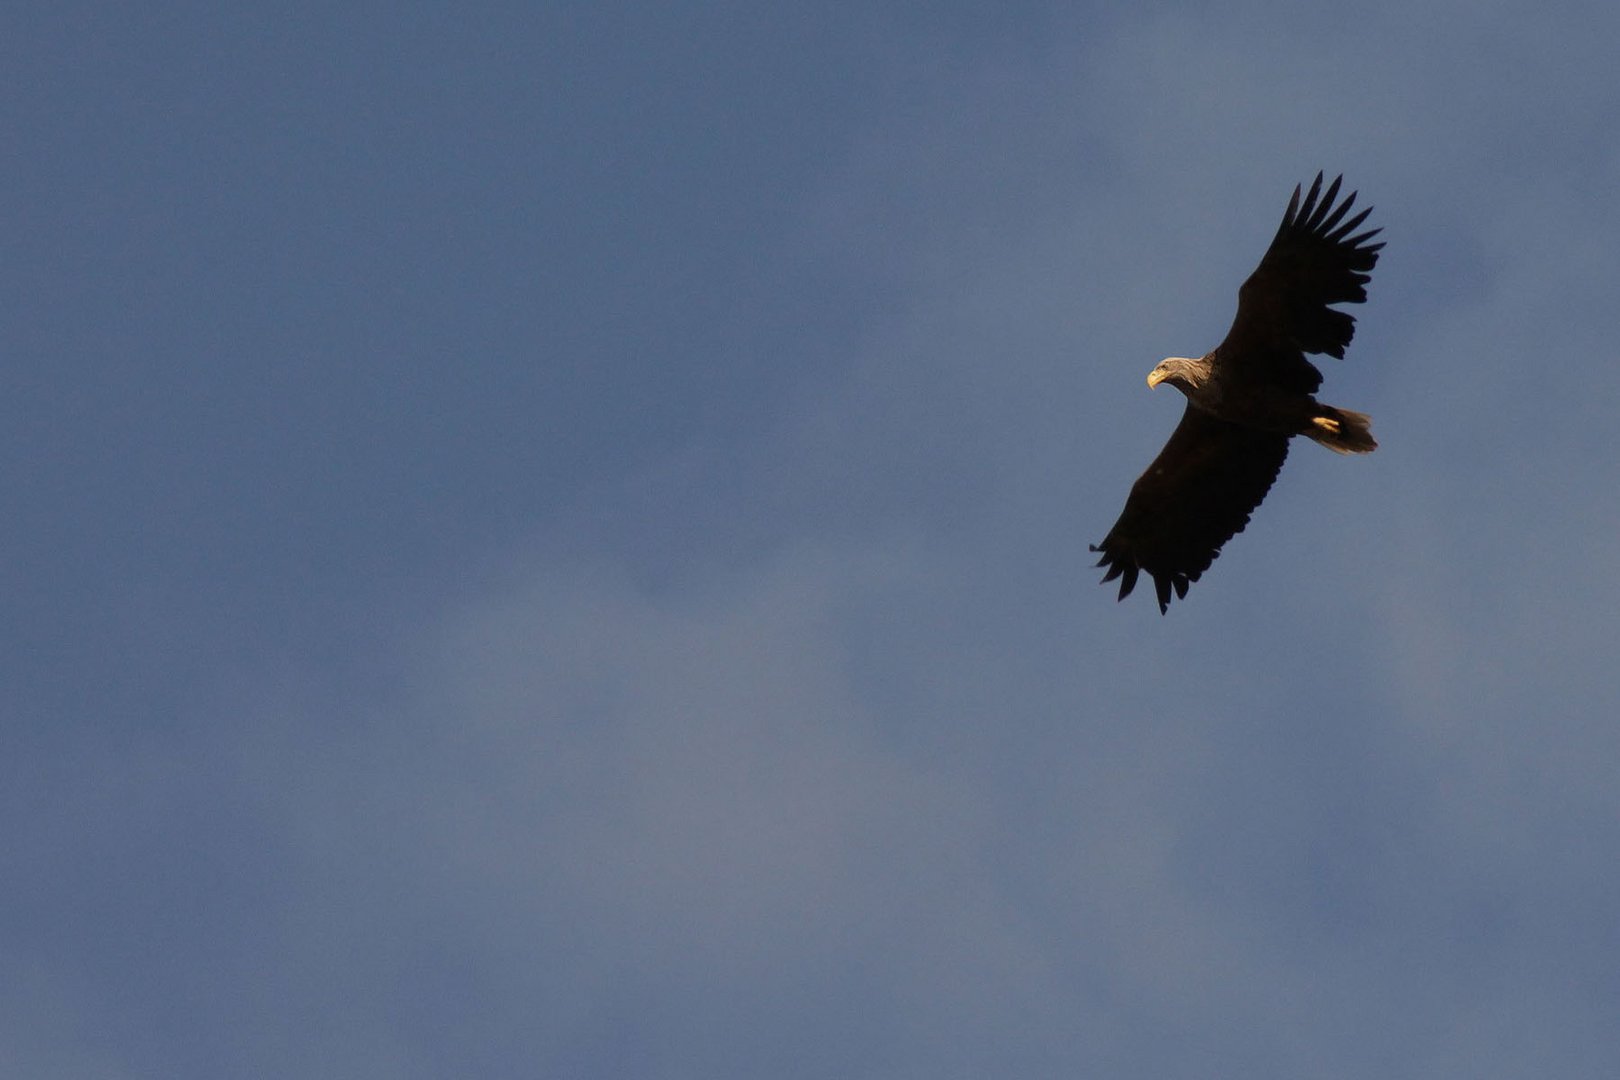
{"x":1155,"y":377}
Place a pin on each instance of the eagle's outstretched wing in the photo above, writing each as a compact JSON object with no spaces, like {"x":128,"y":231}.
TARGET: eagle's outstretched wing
{"x":1283,"y":311}
{"x":1197,"y":495}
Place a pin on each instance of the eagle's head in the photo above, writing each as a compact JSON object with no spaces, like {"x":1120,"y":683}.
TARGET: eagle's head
{"x":1186,"y":373}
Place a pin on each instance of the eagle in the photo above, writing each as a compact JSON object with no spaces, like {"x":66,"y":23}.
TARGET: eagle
{"x":1248,"y":398}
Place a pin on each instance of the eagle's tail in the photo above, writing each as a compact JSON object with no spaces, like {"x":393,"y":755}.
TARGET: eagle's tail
{"x":1342,"y":431}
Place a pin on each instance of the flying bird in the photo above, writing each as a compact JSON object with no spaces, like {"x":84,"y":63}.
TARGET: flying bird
{"x":1248,"y":398}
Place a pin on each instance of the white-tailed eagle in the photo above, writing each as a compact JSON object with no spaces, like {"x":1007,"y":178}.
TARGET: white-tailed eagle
{"x":1246,"y":399}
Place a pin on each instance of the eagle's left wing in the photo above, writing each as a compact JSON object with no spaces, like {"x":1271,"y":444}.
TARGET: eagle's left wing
{"x":1283,"y":307}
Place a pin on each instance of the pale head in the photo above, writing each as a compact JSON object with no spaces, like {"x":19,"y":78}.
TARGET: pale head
{"x":1185,"y":373}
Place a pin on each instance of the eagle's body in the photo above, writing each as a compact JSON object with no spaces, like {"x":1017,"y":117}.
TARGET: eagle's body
{"x":1247,"y":398}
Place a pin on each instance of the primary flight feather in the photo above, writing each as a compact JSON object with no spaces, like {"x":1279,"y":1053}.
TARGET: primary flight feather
{"x":1246,"y":399}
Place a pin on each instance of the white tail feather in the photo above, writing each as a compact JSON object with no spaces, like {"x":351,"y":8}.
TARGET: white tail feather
{"x":1343,"y":431}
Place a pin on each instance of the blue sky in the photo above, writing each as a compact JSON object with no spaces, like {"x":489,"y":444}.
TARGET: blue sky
{"x":550,"y":541}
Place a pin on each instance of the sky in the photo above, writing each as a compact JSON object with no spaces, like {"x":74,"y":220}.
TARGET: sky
{"x":550,"y":540}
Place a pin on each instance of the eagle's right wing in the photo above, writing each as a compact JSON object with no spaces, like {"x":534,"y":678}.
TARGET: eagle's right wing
{"x":1197,"y":495}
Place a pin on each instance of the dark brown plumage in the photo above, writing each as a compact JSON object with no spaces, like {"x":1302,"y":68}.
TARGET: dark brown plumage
{"x":1246,"y":400}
